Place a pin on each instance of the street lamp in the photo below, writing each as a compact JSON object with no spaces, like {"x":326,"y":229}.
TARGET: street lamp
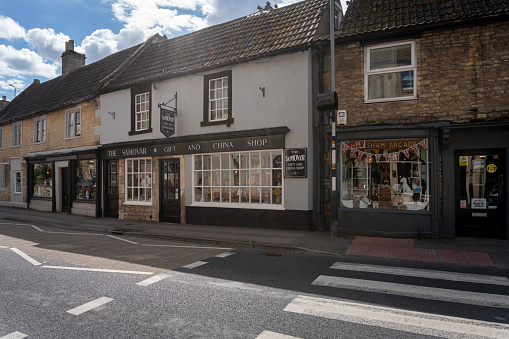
{"x":15,"y":88}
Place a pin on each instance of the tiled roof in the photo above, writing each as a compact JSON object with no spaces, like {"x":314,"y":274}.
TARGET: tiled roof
{"x":257,"y":35}
{"x":69,"y":89}
{"x":370,"y":16}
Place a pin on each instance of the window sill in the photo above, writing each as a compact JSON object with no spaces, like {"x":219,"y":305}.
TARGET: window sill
{"x":149,"y":130}
{"x":238,"y":205}
{"x":226,"y":122}
{"x":137,"y":203}
{"x":71,"y":138}
{"x":39,"y":142}
{"x":374,"y":101}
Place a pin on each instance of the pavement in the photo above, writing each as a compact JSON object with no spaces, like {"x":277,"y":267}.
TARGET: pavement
{"x":461,"y":251}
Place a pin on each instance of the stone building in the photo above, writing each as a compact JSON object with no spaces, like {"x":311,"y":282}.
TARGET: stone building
{"x":216,"y":127}
{"x":425,"y":87}
{"x":49,"y":139}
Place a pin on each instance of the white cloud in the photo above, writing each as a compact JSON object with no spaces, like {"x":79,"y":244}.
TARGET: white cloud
{"x":16,"y":63}
{"x":47,"y":43}
{"x":99,"y":44}
{"x":10,"y":29}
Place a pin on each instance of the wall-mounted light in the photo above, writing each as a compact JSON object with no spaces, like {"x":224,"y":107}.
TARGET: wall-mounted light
{"x":263,"y":90}
{"x":112,"y":115}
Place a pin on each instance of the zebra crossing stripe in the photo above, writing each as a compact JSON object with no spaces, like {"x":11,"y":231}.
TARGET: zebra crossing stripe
{"x":423,"y":292}
{"x":274,"y":335}
{"x":224,"y":255}
{"x":421,"y":273}
{"x":400,"y":320}
{"x":152,"y":280}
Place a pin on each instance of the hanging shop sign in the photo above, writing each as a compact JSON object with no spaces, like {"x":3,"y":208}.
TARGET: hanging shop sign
{"x":168,"y":115}
{"x":167,"y":122}
{"x":196,"y":147}
{"x":295,"y":163}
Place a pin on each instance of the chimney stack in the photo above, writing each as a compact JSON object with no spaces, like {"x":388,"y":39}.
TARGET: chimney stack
{"x":4,"y":102}
{"x":71,"y":60}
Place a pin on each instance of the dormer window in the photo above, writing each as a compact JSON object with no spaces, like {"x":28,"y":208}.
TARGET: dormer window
{"x":217,"y":99}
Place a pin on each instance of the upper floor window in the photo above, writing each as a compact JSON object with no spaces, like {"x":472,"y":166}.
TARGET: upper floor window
{"x":17,"y":133}
{"x":73,"y":123}
{"x":217,"y":99}
{"x":1,"y":137}
{"x":390,"y":72}
{"x":40,"y":130}
{"x":140,"y":110}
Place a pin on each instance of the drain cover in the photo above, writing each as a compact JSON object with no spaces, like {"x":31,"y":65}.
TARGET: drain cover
{"x":273,"y":254}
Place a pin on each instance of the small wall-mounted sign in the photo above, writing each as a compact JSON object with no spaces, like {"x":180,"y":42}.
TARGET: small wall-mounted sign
{"x":295,"y":163}
{"x":463,"y":204}
{"x":341,"y":117}
{"x":478,"y":203}
{"x":463,"y":161}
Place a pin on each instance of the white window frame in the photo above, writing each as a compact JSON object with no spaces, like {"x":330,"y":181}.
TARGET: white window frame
{"x":142,"y":116}
{"x":130,"y":185}
{"x":368,"y":71}
{"x":72,"y":123}
{"x":229,"y":204}
{"x":2,"y":178}
{"x":16,"y":173}
{"x":218,"y":100}
{"x":40,"y":130}
{"x":17,"y":134}
{"x":1,"y":137}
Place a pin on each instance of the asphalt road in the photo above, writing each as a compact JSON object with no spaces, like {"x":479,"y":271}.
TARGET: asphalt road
{"x":55,"y":284}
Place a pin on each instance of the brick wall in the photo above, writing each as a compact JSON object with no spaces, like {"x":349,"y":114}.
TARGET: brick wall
{"x":462,"y":76}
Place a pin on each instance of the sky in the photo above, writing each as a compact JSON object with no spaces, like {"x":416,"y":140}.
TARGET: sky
{"x":33,"y":32}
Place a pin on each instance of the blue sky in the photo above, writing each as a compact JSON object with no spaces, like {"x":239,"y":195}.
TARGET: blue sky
{"x":33,"y":32}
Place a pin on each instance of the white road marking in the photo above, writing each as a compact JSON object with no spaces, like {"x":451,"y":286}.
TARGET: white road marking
{"x":72,"y":233}
{"x":274,"y":335}
{"x":423,"y":292}
{"x":224,"y":255}
{"x":15,"y":335}
{"x":26,"y":257}
{"x":97,"y":270}
{"x":194,"y":265}
{"x":181,"y":246}
{"x":90,"y":306}
{"x":153,"y":279}
{"x":129,"y":241}
{"x":4,"y":246}
{"x":415,"y":272}
{"x":400,"y":320}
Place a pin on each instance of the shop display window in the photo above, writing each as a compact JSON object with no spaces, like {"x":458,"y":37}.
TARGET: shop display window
{"x":138,"y":180}
{"x":385,"y":174}
{"x":43,"y":180}
{"x":239,"y":178}
{"x":86,"y":180}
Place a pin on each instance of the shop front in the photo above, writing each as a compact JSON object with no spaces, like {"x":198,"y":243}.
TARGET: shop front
{"x":475,"y":190}
{"x":64,"y":183}
{"x":388,"y":182}
{"x":232,"y":179}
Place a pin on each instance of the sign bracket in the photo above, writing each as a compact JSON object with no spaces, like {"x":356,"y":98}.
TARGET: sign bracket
{"x":167,"y":104}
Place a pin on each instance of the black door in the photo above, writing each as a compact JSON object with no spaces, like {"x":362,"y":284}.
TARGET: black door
{"x":111,"y":196}
{"x":480,"y":206}
{"x":65,"y":189}
{"x":170,"y":191}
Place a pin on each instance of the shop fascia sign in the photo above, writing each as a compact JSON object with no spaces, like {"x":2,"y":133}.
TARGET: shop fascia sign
{"x":207,"y":146}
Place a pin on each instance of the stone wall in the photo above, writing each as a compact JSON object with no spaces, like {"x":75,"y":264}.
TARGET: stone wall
{"x":462,"y":76}
{"x":55,"y":138}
